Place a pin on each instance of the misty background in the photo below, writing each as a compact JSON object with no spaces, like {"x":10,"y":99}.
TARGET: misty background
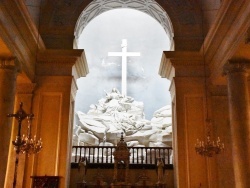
{"x":104,"y":34}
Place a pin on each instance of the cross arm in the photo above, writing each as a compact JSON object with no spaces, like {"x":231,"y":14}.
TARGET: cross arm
{"x":115,"y":54}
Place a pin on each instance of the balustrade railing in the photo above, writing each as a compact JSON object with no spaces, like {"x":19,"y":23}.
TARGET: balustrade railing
{"x":138,"y":155}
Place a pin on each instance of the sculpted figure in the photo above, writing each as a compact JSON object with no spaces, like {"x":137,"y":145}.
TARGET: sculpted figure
{"x":115,"y":94}
{"x":115,"y":113}
{"x":82,"y":168}
{"x":160,"y":170}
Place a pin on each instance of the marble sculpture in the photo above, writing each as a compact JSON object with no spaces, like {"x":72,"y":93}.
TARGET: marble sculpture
{"x":116,"y":113}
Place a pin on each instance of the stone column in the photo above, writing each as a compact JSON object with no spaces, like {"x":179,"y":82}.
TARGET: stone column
{"x":238,"y":98}
{"x":186,"y":72}
{"x":7,"y":93}
{"x":56,"y":70}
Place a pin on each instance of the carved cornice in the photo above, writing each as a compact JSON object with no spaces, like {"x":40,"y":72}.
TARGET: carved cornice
{"x":25,"y":88}
{"x":179,"y":64}
{"x":80,"y":68}
{"x":166,"y":70}
{"x":62,"y":62}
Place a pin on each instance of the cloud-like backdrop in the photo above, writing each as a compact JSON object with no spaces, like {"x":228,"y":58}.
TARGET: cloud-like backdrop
{"x":104,"y":34}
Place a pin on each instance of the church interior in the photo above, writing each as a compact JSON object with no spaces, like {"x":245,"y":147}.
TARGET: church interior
{"x":207,"y":66}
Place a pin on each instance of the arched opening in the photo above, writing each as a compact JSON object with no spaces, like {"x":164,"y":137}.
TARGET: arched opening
{"x":151,"y":8}
{"x":102,"y":36}
{"x":144,"y":83}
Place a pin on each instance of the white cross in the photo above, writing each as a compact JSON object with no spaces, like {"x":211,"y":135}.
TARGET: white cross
{"x":124,"y":54}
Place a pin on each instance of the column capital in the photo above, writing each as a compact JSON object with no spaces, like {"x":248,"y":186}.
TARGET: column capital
{"x":236,"y":66}
{"x":7,"y":63}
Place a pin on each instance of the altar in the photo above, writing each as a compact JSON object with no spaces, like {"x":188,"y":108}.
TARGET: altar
{"x":121,"y":165}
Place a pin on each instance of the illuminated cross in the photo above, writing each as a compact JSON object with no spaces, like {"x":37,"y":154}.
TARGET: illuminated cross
{"x":124,"y":54}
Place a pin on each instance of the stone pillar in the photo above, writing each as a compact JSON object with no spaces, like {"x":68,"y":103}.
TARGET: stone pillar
{"x":185,"y":70}
{"x":24,"y":94}
{"x":7,"y":93}
{"x":56,"y":74}
{"x":238,"y":98}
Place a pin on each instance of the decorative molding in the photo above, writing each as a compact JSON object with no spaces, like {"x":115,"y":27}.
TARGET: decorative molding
{"x":150,"y":7}
{"x":62,"y":62}
{"x":80,"y":68}
{"x":179,"y":64}
{"x":166,"y":69}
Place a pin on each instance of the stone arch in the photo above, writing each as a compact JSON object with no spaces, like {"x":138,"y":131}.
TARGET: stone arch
{"x":149,"y":7}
